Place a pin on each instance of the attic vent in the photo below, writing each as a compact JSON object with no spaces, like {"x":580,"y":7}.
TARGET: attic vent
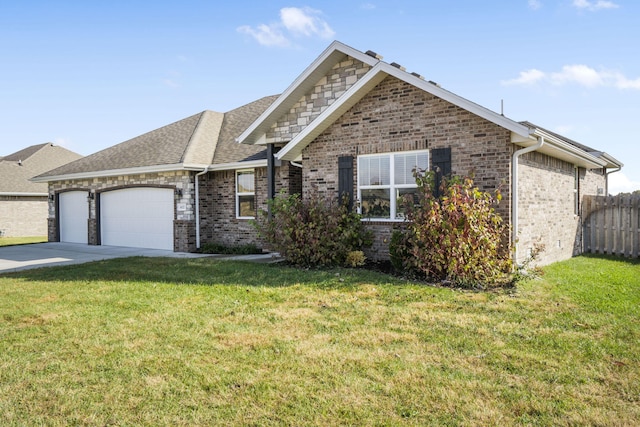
{"x":417,"y":75}
{"x":373,"y":55}
{"x":398,"y":66}
{"x":434,"y":83}
{"x":19,"y":162}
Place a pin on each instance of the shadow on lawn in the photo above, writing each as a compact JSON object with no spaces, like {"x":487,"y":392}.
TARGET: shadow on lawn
{"x":204,"y":271}
{"x":615,"y":258}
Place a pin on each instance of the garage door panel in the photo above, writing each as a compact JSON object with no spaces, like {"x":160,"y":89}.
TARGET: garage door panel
{"x":137,"y":217}
{"x":73,"y":211}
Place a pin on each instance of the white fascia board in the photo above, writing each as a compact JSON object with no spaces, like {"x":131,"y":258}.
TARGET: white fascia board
{"x":569,"y":152}
{"x":355,"y":93}
{"x":459,"y":101}
{"x":239,"y":165}
{"x":24,"y":194}
{"x":300,"y":86}
{"x":119,"y":172}
{"x":612,"y":162}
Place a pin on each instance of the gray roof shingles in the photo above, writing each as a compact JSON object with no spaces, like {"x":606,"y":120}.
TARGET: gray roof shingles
{"x":204,"y":138}
{"x":18,"y":168}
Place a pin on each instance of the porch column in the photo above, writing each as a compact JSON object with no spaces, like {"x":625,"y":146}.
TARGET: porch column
{"x":271,"y":178}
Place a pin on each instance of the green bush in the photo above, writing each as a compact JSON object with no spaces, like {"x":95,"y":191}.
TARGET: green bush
{"x":219,"y":248}
{"x":456,"y":238}
{"x":317,"y":231}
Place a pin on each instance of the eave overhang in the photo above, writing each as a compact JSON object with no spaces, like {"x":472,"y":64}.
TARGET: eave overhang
{"x":18,"y":194}
{"x":373,"y":77}
{"x":121,"y":172}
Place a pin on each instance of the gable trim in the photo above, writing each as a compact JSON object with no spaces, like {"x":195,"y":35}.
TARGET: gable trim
{"x":355,"y":93}
{"x":336,"y":52}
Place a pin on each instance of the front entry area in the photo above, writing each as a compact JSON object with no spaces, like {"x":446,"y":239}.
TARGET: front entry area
{"x":139,"y":217}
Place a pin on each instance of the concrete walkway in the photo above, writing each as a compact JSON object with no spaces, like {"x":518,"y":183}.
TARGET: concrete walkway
{"x":23,"y":257}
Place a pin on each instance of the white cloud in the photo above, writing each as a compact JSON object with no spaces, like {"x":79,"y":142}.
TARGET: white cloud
{"x":306,"y":22}
{"x":266,"y":35}
{"x":528,"y":77}
{"x":535,"y":4}
{"x":620,"y":183}
{"x":368,"y":6}
{"x":579,"y":74}
{"x":593,"y":6}
{"x":294,"y":22}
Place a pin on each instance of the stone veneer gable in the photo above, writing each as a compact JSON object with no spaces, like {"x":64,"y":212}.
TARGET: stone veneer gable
{"x":329,"y":88}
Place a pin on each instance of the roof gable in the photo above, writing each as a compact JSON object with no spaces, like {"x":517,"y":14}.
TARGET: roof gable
{"x":334,"y":54}
{"x":17,"y":169}
{"x":188,"y":140}
{"x":523,"y":133}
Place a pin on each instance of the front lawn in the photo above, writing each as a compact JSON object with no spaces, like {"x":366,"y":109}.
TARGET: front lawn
{"x":10,"y":241}
{"x":158,"y":341}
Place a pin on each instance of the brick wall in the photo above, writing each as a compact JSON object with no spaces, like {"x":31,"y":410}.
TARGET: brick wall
{"x":184,"y":208}
{"x":23,"y":216}
{"x":396,"y":116}
{"x":218,"y":222}
{"x":546,"y":208}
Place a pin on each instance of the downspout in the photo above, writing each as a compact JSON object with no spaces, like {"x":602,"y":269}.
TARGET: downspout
{"x":514,"y":193}
{"x":606,"y":181}
{"x":206,"y":169}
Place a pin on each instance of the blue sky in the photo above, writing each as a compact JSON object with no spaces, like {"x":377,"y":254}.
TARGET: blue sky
{"x":88,"y":75}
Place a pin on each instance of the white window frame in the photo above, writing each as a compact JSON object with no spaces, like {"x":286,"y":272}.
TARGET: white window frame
{"x":244,"y":193}
{"x":392,"y":186}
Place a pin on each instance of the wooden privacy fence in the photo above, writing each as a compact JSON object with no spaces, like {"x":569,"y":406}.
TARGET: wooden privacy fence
{"x":611,"y":225}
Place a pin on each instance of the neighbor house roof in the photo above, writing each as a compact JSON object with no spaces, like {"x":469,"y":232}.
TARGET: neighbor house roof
{"x":523,"y":133}
{"x":18,"y":168}
{"x":193,"y":143}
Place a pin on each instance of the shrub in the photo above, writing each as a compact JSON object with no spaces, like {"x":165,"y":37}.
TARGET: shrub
{"x":457,"y":238}
{"x":355,"y":259}
{"x":317,"y":231}
{"x":219,"y":248}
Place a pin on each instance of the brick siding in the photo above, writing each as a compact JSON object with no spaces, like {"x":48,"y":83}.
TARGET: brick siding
{"x":396,"y":116}
{"x":546,"y":208}
{"x":23,"y":216}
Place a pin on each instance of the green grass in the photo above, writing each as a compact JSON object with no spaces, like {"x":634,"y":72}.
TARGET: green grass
{"x":154,"y":341}
{"x":10,"y":241}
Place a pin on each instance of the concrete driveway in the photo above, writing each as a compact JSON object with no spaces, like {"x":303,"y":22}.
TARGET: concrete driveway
{"x":22,"y":257}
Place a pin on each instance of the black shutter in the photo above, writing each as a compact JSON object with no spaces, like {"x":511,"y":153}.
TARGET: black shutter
{"x":345,"y":178}
{"x":441,"y":165}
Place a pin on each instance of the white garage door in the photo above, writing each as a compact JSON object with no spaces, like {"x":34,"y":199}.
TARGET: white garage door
{"x":137,"y":217}
{"x":73,"y":215}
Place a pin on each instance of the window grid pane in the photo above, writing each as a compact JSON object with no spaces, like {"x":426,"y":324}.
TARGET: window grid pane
{"x":383,"y":180}
{"x":245,"y":182}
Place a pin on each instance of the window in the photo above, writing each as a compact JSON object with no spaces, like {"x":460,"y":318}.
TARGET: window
{"x":384,"y":178}
{"x":245,"y":194}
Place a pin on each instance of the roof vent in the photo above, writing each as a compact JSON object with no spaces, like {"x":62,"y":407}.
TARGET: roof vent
{"x":434,"y":83}
{"x":398,"y":66}
{"x":373,"y":55}
{"x":19,"y":162}
{"x":417,"y":75}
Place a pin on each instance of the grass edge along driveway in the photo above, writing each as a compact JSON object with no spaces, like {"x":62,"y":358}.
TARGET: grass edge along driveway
{"x":156,"y":341}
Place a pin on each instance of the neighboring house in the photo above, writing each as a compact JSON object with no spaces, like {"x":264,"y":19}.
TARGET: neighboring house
{"x":23,"y":204}
{"x":350,"y":123}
